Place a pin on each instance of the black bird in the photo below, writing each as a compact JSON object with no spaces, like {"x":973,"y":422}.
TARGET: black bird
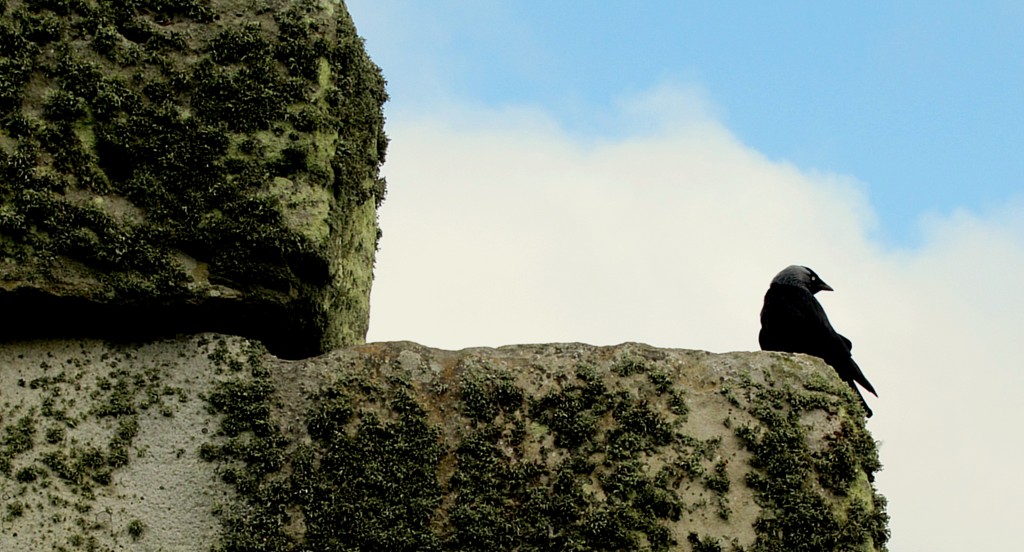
{"x":793,"y":321}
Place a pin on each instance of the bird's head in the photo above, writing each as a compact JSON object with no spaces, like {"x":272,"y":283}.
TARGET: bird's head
{"x":796,"y":275}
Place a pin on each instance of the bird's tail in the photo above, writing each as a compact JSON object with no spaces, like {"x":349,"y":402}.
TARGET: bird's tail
{"x":860,"y":378}
{"x":867,"y":409}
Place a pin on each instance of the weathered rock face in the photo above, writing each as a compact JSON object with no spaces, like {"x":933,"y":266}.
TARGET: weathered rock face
{"x":180,"y":166}
{"x":211,"y":442}
{"x":186,"y":166}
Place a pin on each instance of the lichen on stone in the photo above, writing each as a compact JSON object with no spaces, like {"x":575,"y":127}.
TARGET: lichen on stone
{"x":210,"y":442}
{"x":596,"y":458}
{"x":196,"y":164}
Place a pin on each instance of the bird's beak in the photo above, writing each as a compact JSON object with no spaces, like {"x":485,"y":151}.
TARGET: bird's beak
{"x":822,"y":286}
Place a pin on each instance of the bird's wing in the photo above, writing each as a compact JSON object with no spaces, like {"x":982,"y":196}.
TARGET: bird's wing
{"x":849,"y":344}
{"x":835,"y":350}
{"x":793,"y":321}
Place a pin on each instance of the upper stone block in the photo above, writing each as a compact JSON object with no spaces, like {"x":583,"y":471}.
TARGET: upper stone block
{"x":188,"y":165}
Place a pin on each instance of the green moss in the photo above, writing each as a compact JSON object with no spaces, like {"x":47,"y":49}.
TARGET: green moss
{"x":108,"y":101}
{"x":486,"y":396}
{"x":661,"y":380}
{"x":799,"y":516}
{"x":15,"y":509}
{"x":506,"y":499}
{"x":28,"y":474}
{"x":376,"y":487}
{"x":707,"y":544}
{"x":116,"y":398}
{"x":573,"y":411}
{"x":18,"y":437}
{"x":365,"y":455}
{"x":373,"y":474}
{"x":718,"y":481}
{"x":135,"y":529}
{"x":55,"y":434}
{"x":629,"y":365}
{"x":43,"y":452}
{"x":120,"y":443}
{"x":245,"y":405}
{"x":677,"y":404}
{"x":639,"y":429}
{"x":363,"y":483}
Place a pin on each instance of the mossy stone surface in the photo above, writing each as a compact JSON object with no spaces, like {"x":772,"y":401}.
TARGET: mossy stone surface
{"x":188,"y":165}
{"x":211,"y":443}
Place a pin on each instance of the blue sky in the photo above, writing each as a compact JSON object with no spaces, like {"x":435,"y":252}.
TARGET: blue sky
{"x":608,"y":171}
{"x":920,"y":101}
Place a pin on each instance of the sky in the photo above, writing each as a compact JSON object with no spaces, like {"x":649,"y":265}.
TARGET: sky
{"x":617,"y":171}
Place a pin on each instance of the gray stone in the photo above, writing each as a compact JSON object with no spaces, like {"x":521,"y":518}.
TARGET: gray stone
{"x":188,"y":166}
{"x":210,"y":441}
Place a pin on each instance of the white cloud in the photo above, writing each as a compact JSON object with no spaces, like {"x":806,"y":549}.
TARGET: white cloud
{"x":534,"y":233}
{"x":501,"y":228}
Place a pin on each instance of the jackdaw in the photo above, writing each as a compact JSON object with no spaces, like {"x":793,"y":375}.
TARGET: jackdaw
{"x":793,"y":321}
